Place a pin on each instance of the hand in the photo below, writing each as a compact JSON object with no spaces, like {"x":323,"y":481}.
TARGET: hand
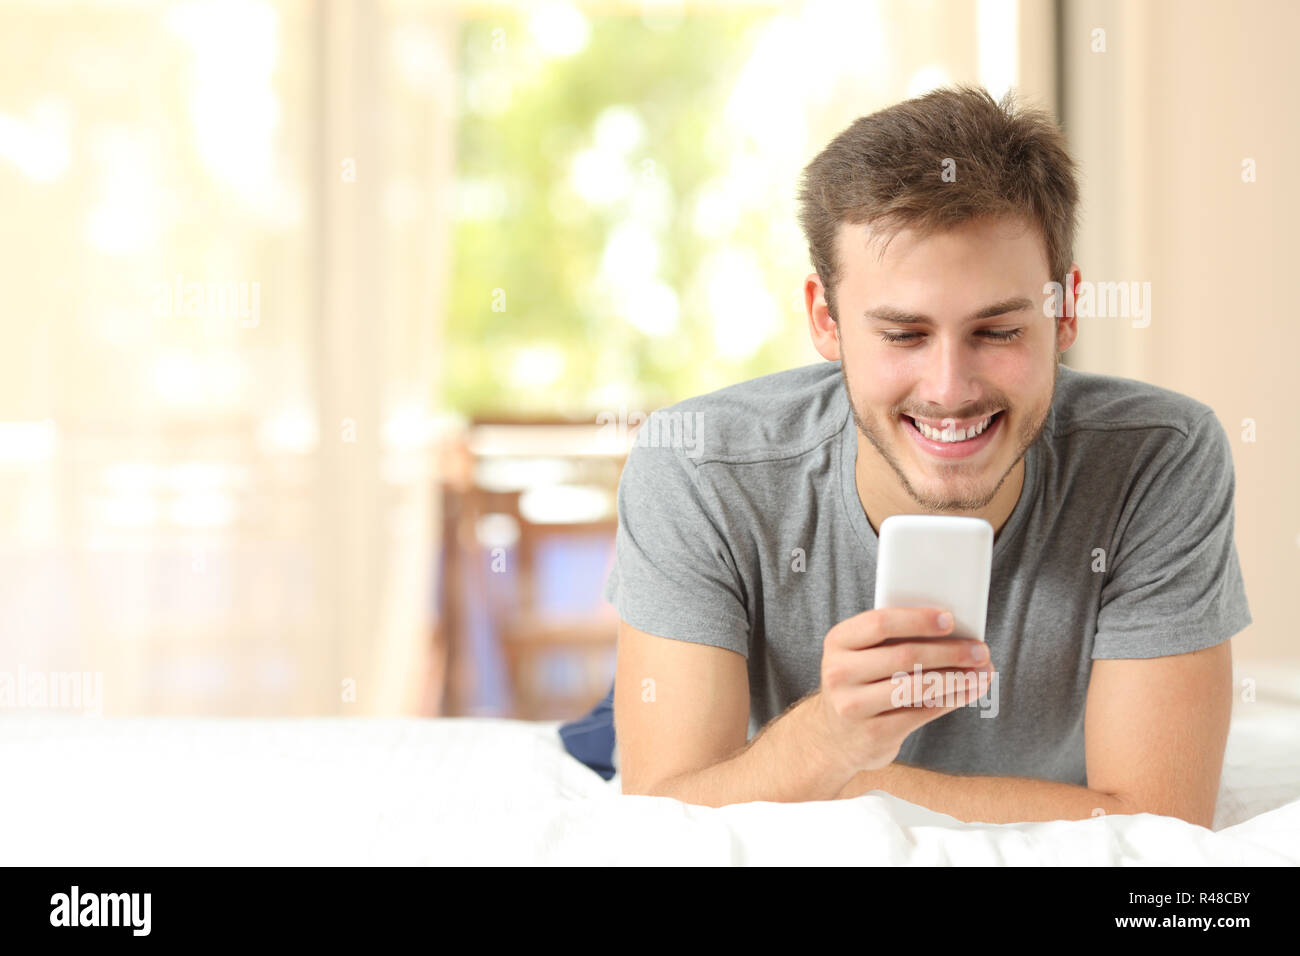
{"x":871,"y":697}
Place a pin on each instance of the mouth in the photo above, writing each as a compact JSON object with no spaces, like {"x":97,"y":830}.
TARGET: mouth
{"x":955,"y":442}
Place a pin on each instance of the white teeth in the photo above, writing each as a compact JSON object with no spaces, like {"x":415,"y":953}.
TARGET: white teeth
{"x":951,"y":435}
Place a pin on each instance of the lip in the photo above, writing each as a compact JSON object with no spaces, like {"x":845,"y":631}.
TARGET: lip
{"x":965,"y":449}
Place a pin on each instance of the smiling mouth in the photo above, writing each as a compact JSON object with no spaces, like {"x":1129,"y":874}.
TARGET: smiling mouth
{"x":955,"y":436}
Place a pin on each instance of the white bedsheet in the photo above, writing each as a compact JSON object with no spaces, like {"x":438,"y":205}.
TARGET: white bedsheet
{"x":87,"y":792}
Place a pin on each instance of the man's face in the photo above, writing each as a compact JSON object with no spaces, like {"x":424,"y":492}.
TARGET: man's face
{"x":968,"y":306}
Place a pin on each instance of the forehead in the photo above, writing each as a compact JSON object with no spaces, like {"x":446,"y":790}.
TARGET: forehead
{"x":979,"y":254}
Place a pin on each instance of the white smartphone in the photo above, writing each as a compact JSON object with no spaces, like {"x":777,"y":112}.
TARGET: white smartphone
{"x":937,"y":561}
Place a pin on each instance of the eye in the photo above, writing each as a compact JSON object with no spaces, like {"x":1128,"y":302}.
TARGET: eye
{"x":996,"y":335}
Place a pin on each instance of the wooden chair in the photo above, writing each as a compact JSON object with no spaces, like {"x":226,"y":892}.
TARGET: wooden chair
{"x":535,"y":633}
{"x":531,"y":633}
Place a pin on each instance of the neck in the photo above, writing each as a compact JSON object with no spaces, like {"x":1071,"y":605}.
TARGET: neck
{"x":882,"y":494}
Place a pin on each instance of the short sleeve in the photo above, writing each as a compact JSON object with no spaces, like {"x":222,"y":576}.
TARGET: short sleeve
{"x":1175,"y":583}
{"x":674,"y":574}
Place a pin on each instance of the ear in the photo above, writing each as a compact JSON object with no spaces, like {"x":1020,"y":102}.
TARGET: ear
{"x":1067,"y":324}
{"x":823,"y":329}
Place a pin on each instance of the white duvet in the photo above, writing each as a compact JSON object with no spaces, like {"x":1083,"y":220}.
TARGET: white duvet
{"x":88,"y":792}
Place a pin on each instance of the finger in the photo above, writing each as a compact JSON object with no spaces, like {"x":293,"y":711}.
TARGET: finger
{"x":872,"y":627}
{"x":957,"y":686}
{"x":882,"y":662}
{"x":911,"y":693}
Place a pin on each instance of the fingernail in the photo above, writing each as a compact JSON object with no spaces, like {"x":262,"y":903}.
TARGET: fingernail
{"x":979,"y":653}
{"x":945,"y":620}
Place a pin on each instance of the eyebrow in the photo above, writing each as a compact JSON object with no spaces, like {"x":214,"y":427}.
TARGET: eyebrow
{"x":885,"y":313}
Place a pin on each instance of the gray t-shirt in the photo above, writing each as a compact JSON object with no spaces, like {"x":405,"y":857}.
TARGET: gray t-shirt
{"x":740,"y":527}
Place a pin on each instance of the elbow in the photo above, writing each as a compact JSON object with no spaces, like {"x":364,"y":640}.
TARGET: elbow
{"x":635,"y":785}
{"x":1197,"y":816}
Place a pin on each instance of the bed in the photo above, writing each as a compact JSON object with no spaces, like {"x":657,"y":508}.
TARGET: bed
{"x":479,"y":791}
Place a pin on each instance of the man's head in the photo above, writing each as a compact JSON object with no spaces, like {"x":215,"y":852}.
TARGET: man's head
{"x":934,"y":226}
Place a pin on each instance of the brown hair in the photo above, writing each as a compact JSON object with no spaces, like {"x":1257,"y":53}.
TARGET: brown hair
{"x":887,"y":169}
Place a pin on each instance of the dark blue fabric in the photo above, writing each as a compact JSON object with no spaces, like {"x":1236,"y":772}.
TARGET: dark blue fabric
{"x":590,"y":739}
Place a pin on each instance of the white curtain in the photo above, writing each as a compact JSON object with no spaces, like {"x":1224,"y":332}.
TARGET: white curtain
{"x":223,"y":253}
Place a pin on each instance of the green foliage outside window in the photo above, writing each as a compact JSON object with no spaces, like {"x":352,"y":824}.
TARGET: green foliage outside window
{"x":588,"y":191}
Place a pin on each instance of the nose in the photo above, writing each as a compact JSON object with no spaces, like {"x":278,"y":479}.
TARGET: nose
{"x":949,"y":382}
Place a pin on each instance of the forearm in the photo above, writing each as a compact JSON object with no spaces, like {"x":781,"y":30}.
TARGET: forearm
{"x":787,"y":762}
{"x":985,"y":799}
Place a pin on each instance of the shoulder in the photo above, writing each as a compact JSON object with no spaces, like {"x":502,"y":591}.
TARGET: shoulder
{"x":1092,"y":402}
{"x":781,"y":415}
{"x":1137,"y":431}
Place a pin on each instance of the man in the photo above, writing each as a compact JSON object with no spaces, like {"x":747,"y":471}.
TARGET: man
{"x":751,"y":664}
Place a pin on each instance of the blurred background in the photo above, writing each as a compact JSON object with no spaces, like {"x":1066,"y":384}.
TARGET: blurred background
{"x":327,"y":325}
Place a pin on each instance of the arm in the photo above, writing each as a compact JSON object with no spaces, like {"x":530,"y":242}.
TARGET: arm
{"x":1170,"y":766}
{"x":985,"y":799}
{"x":681,"y":715}
{"x":1156,"y":730}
